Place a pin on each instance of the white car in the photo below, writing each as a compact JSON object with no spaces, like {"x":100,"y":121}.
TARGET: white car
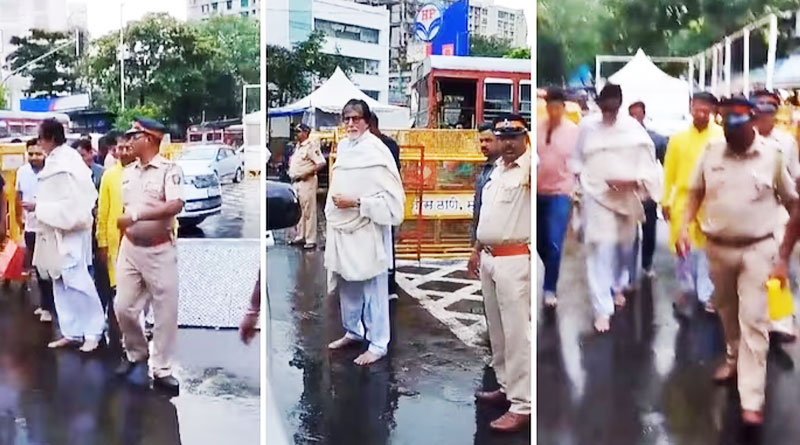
{"x":202,"y":194}
{"x":222,"y":159}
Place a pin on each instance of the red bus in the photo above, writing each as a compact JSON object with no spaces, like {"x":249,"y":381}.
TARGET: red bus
{"x":465,"y":92}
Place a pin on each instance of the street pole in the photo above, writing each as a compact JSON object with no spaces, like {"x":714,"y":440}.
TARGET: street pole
{"x":121,"y":59}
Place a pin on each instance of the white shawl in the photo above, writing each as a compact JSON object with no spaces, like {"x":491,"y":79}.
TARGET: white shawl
{"x":64,"y":203}
{"x":623,"y":151}
{"x":364,"y":169}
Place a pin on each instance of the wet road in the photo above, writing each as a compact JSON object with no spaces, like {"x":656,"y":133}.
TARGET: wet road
{"x":240,"y":216}
{"x":66,"y":397}
{"x":422,"y":393}
{"x":648,"y":381}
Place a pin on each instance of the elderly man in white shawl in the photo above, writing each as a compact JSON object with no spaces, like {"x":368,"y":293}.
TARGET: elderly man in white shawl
{"x":63,"y":253}
{"x":617,"y":171}
{"x":365,"y":200}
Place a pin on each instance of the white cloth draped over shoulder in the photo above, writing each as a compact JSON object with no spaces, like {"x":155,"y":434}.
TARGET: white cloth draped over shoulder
{"x":622,"y":151}
{"x":64,"y":203}
{"x":364,"y":169}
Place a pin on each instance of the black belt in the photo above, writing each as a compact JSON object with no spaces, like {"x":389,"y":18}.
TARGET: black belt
{"x":739,"y":241}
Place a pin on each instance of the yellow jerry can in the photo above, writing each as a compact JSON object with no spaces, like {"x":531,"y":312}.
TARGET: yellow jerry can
{"x":780,"y":300}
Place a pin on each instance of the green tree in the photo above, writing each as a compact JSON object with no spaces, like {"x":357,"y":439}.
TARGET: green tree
{"x":290,"y":72}
{"x":518,"y":53}
{"x":482,"y":46}
{"x":170,"y":66}
{"x":3,"y":100}
{"x":52,"y":75}
{"x":125,"y":118}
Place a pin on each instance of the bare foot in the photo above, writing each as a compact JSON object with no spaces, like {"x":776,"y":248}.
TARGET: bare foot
{"x":89,"y":345}
{"x":619,"y":300}
{"x":342,"y":342}
{"x":367,"y":358}
{"x":61,"y":343}
{"x":602,"y":324}
{"x":709,"y":307}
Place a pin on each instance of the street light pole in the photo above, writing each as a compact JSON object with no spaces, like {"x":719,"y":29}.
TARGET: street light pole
{"x":121,"y":59}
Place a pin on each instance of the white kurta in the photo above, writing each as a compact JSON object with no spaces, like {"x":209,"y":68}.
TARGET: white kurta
{"x":358,"y":250}
{"x":64,"y":204}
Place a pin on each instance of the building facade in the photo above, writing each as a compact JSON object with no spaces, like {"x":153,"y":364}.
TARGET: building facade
{"x":203,"y":9}
{"x":17,"y":18}
{"x":357,"y":32}
{"x":490,"y":20}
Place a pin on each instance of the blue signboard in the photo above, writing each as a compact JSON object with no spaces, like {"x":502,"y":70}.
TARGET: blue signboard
{"x":452,"y":37}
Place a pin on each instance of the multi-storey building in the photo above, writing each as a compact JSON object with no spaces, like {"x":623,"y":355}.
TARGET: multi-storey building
{"x":203,"y":9}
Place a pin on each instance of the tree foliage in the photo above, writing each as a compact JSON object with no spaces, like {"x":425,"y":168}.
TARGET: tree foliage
{"x":575,"y":31}
{"x":518,"y":53}
{"x":482,"y":46}
{"x":291,"y":72}
{"x":3,"y":99}
{"x":51,"y":76}
{"x":185,"y":71}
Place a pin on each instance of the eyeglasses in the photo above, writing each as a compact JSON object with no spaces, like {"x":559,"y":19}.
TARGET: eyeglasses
{"x":354,"y":119}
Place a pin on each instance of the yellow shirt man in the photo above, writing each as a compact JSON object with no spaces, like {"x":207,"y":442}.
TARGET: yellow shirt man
{"x":683,"y":151}
{"x":109,"y":208}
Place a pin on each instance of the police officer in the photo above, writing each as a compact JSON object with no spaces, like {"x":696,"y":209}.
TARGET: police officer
{"x":742,"y":184}
{"x":305,"y":163}
{"x":147,"y":267}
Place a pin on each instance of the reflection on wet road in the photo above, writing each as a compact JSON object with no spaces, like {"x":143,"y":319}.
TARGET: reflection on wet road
{"x":649,"y":380}
{"x":66,"y":397}
{"x":422,"y":393}
{"x":240,"y":216}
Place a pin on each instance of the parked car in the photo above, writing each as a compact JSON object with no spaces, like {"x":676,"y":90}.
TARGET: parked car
{"x":226,"y":162}
{"x":202,"y":194}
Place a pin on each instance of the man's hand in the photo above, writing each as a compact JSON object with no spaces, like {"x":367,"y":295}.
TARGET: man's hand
{"x":343,"y":202}
{"x":665,"y":213}
{"x":123,"y":222}
{"x":622,"y":185}
{"x":102,"y":254}
{"x":247,"y":328}
{"x":780,"y":270}
{"x":683,"y":246}
{"x":474,"y":264}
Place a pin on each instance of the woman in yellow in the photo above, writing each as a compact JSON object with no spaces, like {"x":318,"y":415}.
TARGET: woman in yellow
{"x":683,"y":151}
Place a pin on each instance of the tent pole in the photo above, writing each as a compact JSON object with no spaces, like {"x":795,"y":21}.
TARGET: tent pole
{"x":773,"y":46}
{"x":746,"y":63}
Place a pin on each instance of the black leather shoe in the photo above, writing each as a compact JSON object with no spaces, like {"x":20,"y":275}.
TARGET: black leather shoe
{"x":167,"y":383}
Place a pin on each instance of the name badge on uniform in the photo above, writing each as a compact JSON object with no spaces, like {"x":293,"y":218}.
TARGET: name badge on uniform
{"x":176,"y":179}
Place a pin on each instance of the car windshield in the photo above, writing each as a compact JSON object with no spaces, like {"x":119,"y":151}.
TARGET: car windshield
{"x":199,"y":154}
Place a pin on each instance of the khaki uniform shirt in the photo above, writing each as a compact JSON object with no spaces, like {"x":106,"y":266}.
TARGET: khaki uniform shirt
{"x":307,"y":158}
{"x":147,"y":186}
{"x":787,"y":145}
{"x":743,"y":194}
{"x":505,"y":216}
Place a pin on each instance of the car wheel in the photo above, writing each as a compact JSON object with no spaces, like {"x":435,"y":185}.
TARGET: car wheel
{"x":191,"y":222}
{"x":238,"y":176}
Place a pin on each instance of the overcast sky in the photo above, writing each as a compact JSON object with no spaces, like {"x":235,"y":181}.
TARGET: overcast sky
{"x":103,"y":15}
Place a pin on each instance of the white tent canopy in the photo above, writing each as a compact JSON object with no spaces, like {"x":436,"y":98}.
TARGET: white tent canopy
{"x":330,"y":98}
{"x":666,"y":97}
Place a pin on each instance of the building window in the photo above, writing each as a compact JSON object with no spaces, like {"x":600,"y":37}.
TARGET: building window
{"x":229,"y":5}
{"x":204,"y":9}
{"x":214,"y":6}
{"x":364,"y":66}
{"x":373,"y":94}
{"x":244,"y":13}
{"x":349,"y":32}
{"x":245,"y":3}
{"x":497,"y":100}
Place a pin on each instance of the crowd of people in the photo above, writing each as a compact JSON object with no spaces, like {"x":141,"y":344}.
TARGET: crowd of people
{"x":99,"y":230}
{"x":727,"y":187}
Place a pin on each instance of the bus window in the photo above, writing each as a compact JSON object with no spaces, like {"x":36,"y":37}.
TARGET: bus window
{"x":525,"y":101}
{"x":497,"y":100}
{"x":195,"y":137}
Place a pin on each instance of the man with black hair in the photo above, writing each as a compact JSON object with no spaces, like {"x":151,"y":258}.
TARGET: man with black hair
{"x":84,"y":147}
{"x":683,"y":151}
{"x":617,"y":168}
{"x":501,"y":257}
{"x":27,"y":184}
{"x":555,"y":185}
{"x":490,"y":149}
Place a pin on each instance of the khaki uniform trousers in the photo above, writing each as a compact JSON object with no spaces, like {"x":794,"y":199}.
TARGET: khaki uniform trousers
{"x":740,"y":275}
{"x":148,"y":274}
{"x":307,"y":195}
{"x":506,"y":288}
